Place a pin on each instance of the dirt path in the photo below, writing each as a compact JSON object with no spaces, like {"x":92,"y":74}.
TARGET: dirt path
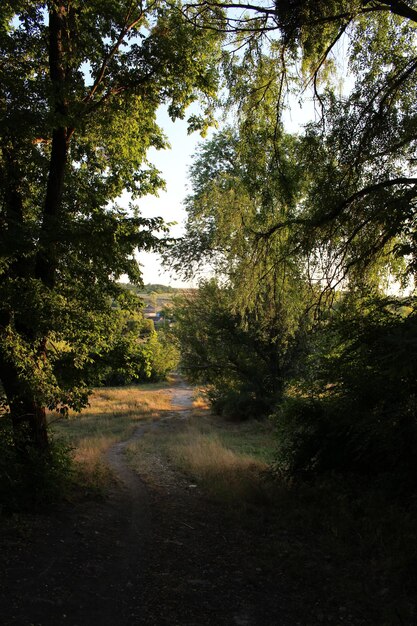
{"x":80,"y":567}
{"x":86,"y":564}
{"x":158,"y":552}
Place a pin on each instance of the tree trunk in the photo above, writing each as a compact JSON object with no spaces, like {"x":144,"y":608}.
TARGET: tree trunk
{"x":27,"y":415}
{"x":29,"y":426}
{"x":46,"y":260}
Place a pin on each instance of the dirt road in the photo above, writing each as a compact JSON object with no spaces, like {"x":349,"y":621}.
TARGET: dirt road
{"x":85,"y":565}
{"x":158,"y":552}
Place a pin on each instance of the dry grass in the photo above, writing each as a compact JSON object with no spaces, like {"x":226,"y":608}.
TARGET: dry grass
{"x":201,"y":402}
{"x":227,"y":460}
{"x":134,"y":401}
{"x":112,"y":415}
{"x":225,"y":474}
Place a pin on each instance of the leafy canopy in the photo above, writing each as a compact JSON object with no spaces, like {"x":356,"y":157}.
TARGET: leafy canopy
{"x":80,"y":87}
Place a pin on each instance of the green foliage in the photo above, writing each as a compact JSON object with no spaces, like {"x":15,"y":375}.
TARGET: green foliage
{"x":138,"y":353}
{"x":361,"y":414}
{"x":303,"y":228}
{"x":80,"y":88}
{"x":241,"y":338}
{"x":157,"y":288}
{"x":163,"y":355}
{"x":243,"y":359}
{"x":35,"y":482}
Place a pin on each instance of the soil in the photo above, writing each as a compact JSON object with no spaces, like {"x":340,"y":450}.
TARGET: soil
{"x":157,"y":551}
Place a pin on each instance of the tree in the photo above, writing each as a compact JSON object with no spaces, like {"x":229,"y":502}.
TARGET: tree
{"x":242,"y":338}
{"x":137,"y":354}
{"x":242,"y":361}
{"x":80,"y":86}
{"x":334,"y":208}
{"x":351,"y":408}
{"x":368,"y":135}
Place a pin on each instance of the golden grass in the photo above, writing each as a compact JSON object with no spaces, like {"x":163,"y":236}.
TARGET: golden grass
{"x":88,"y":456}
{"x":112,"y":415}
{"x":227,"y":460}
{"x":137,"y":402}
{"x":90,"y":450}
{"x":224,"y":473}
{"x":201,"y":402}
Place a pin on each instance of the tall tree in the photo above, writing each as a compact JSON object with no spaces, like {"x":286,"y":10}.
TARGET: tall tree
{"x":242,"y":338}
{"x":359,"y":157}
{"x":80,"y":87}
{"x":335,"y":205}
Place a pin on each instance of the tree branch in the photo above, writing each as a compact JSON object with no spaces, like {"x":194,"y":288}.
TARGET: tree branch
{"x":128,"y":26}
{"x":362,"y":193}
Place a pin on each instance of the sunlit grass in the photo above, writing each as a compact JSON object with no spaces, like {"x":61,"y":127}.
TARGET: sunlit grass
{"x":200,"y":402}
{"x":112,"y":415}
{"x":227,"y":460}
{"x":224,"y":473}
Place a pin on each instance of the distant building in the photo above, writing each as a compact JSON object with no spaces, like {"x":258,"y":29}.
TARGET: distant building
{"x":150,"y":313}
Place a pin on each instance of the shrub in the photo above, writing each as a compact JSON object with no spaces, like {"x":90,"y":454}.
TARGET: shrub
{"x":238,"y":404}
{"x":134,"y":360}
{"x":363,"y":415}
{"x":243,"y":357}
{"x":34,"y":481}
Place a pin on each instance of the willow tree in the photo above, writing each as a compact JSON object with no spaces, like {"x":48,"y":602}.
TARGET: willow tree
{"x":80,"y":84}
{"x":334,"y":206}
{"x":359,"y":156}
{"x":242,"y":338}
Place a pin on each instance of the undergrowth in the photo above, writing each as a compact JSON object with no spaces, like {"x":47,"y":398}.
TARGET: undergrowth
{"x":33,"y":481}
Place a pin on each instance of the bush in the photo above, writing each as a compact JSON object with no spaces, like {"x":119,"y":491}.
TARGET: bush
{"x":134,"y":361}
{"x":238,"y":404}
{"x":360,"y":415}
{"x":317,"y":436}
{"x":35,"y":481}
{"x":242,"y":356}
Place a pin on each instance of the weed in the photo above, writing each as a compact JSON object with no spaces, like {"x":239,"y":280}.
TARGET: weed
{"x":227,"y":475}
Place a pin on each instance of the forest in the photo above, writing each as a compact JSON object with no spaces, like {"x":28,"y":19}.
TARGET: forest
{"x":301,"y":227}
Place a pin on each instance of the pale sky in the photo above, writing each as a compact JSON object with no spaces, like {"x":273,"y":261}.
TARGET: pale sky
{"x":173,"y":164}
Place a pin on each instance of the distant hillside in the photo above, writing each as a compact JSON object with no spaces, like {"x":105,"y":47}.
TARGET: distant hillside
{"x":156,"y":296}
{"x":150,"y":287}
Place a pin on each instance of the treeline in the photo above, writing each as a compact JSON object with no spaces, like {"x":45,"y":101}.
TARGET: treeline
{"x":152,"y":288}
{"x":136,"y":351}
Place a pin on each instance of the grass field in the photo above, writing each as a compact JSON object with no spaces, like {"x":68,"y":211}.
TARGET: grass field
{"x":227,"y":460}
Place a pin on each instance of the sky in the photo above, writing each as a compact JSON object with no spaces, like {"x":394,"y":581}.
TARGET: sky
{"x":173,"y":164}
